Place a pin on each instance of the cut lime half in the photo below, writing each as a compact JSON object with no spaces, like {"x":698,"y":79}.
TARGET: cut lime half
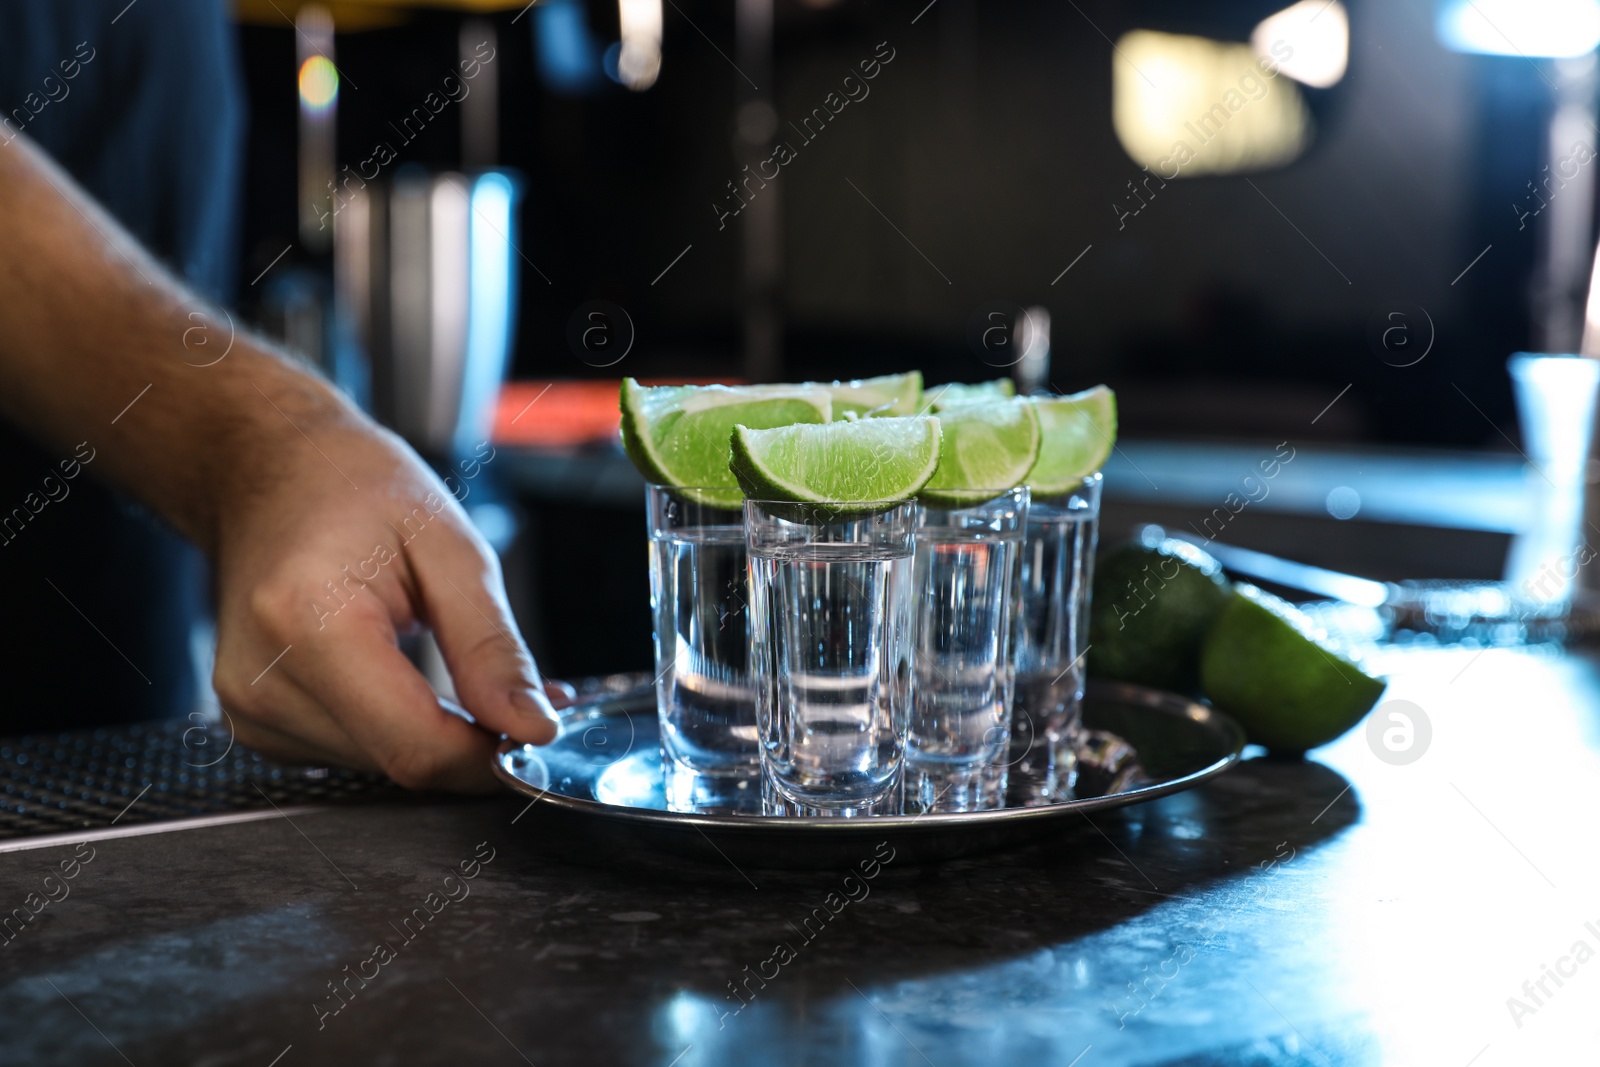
{"x":988,"y":448}
{"x":1079,"y":432}
{"x":677,"y":435}
{"x":1267,"y":665}
{"x":947,"y":396}
{"x":861,"y":462}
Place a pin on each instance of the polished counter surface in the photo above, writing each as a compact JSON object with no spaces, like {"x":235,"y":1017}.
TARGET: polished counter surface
{"x":1346,"y":909}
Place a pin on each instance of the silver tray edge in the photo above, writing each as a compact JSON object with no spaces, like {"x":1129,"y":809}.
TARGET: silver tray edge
{"x":1170,"y":703}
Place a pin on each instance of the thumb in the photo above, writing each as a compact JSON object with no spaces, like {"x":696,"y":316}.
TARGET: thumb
{"x":495,"y":677}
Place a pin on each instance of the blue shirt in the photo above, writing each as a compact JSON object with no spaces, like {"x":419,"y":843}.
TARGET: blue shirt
{"x":142,"y":104}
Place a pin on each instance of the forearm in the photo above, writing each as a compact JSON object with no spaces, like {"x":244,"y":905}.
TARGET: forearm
{"x":329,"y":537}
{"x":99,"y":343}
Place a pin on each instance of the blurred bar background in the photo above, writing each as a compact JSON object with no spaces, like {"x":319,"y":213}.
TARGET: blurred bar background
{"x":1341,"y":257}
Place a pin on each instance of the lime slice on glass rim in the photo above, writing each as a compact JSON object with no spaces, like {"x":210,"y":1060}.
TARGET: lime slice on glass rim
{"x":948,"y":396}
{"x":1079,"y":432}
{"x":988,"y":448}
{"x":892,"y":394}
{"x":835,"y":471}
{"x":677,"y":435}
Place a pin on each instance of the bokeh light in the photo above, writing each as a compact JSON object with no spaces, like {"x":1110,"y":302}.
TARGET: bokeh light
{"x":319,"y":83}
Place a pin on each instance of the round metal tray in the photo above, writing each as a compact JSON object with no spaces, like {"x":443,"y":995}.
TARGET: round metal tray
{"x":605,"y":771}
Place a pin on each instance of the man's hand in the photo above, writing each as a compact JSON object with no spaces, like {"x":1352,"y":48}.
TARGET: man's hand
{"x":333,"y":542}
{"x":330,"y":537}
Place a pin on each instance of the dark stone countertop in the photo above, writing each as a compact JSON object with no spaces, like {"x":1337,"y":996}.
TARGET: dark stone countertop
{"x":1336,"y":911}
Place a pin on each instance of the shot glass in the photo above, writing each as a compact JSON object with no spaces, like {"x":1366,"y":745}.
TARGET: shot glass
{"x":830,"y":598}
{"x":1556,"y":398}
{"x":1050,"y":631}
{"x":956,"y":750}
{"x":699,"y":599}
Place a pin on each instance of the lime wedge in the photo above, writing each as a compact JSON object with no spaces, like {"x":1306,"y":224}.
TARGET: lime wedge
{"x":988,"y":448}
{"x":678,"y":434}
{"x":856,"y":462}
{"x":1079,"y":431}
{"x":892,"y":394}
{"x":1267,"y":665}
{"x":944,"y":396}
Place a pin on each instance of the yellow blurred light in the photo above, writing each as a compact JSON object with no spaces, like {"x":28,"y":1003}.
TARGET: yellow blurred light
{"x":319,"y":83}
{"x":1185,"y":106}
{"x":1310,"y":40}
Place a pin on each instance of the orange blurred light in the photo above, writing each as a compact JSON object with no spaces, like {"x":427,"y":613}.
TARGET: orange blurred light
{"x":567,"y":414}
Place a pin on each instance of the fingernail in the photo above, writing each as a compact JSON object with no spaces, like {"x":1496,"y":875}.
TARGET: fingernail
{"x":533,"y":706}
{"x":560,"y":694}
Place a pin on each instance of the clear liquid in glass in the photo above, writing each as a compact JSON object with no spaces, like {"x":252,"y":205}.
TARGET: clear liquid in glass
{"x":832,"y":650}
{"x":961,"y":701}
{"x":1051,"y":629}
{"x":704,"y":693}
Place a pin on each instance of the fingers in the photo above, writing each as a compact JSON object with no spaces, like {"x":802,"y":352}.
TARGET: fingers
{"x":347,"y":695}
{"x":278,"y":718}
{"x":388,"y":710}
{"x":494,"y":674}
{"x":339,"y":690}
{"x":287,"y":748}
